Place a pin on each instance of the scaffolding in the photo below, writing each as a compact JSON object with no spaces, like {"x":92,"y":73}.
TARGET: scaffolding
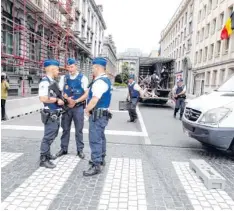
{"x":43,"y":31}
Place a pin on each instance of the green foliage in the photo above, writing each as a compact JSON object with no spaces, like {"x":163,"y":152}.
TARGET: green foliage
{"x":120,"y":84}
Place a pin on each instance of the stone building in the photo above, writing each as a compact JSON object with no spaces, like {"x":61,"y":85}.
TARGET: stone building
{"x":39,"y":29}
{"x":109,"y":52}
{"x":192,"y":38}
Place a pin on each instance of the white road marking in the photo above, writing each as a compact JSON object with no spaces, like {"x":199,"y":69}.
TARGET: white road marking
{"x":199,"y":195}
{"x":24,"y":98}
{"x":144,"y":131}
{"x":41,"y":128}
{"x":8,"y":157}
{"x":40,"y":189}
{"x":124,"y":186}
{"x":118,"y":111}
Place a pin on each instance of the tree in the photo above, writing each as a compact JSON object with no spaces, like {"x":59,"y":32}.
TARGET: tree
{"x":118,"y":79}
{"x":125,"y":73}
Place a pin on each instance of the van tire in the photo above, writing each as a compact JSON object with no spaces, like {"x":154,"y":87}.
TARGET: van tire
{"x":232,"y":146}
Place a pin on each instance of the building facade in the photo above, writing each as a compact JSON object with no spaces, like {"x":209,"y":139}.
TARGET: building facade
{"x":109,"y":52}
{"x":129,"y":59}
{"x":213,"y":61}
{"x":35,"y":30}
{"x":176,"y":39}
{"x":204,"y":60}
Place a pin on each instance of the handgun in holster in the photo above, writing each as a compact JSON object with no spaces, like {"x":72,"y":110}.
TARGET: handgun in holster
{"x":44,"y":116}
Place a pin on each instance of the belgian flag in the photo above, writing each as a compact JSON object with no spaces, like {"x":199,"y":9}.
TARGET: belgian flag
{"x":228,"y":28}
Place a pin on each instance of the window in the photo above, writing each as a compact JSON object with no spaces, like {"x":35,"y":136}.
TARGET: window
{"x":182,"y":22}
{"x":226,"y":45}
{"x":200,"y":56}
{"x":230,"y":10}
{"x":198,"y":36}
{"x":207,"y":30}
{"x":209,"y":6}
{"x":183,"y":49}
{"x":211,"y":51}
{"x":221,"y":18}
{"x":185,"y":33}
{"x":191,"y":10}
{"x":208,"y":78}
{"x":190,"y":27}
{"x":185,"y":18}
{"x":189,"y":45}
{"x":196,"y":57}
{"x":214,"y":78}
{"x":205,"y":8}
{"x":221,"y":76}
{"x":213,"y":26}
{"x":206,"y":53}
{"x":84,"y":8}
{"x":218,"y":48}
{"x":199,"y":16}
{"x":215,"y":3}
{"x":202,"y":35}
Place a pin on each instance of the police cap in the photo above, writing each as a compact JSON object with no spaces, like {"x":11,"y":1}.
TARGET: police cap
{"x":100,"y":61}
{"x":50,"y":62}
{"x":71,"y":61}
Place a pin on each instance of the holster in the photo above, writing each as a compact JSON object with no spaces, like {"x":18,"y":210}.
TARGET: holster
{"x":44,"y":116}
{"x":98,"y":113}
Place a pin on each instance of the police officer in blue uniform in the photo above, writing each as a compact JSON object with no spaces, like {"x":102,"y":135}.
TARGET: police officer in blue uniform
{"x":50,"y":115}
{"x":74,"y":86}
{"x":99,"y":99}
{"x":179,"y":94}
{"x":134,"y":92}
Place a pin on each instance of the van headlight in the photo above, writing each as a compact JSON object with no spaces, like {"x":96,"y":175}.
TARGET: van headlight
{"x":214,"y":116}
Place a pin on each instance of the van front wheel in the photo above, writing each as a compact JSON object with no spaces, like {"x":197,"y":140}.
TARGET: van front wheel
{"x":232,"y":146}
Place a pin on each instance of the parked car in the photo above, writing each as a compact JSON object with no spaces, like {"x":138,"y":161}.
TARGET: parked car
{"x":210,"y":117}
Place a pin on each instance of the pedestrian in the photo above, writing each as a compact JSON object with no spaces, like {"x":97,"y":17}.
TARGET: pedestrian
{"x":4,"y":94}
{"x":134,"y":93}
{"x":99,"y":99}
{"x":179,"y":91}
{"x":74,"y":85}
{"x":50,"y":115}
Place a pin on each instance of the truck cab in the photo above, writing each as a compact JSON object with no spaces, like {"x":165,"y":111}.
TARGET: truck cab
{"x":210,"y":117}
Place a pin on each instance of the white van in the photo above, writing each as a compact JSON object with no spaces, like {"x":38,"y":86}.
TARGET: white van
{"x":210,"y":117}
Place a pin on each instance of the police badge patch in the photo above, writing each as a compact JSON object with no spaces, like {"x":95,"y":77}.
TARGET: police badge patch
{"x":66,"y":87}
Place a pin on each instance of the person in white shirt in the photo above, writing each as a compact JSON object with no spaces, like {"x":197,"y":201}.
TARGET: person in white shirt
{"x":99,"y":98}
{"x":134,"y":92}
{"x":51,"y":112}
{"x":75,"y":87}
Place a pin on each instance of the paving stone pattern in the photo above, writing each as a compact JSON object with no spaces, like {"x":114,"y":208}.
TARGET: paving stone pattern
{"x":39,"y":190}
{"x":7,"y":158}
{"x":163,"y":188}
{"x":124,"y":185}
{"x":200,"y":197}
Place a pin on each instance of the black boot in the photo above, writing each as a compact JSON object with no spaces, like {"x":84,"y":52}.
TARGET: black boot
{"x":103,"y":163}
{"x":130,"y":120}
{"x":45,"y":162}
{"x":61,"y":153}
{"x":81,"y":155}
{"x":181,"y":117}
{"x":52,"y":157}
{"x":93,"y":170}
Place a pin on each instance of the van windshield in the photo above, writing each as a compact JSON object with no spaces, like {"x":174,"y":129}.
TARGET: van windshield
{"x":228,"y":86}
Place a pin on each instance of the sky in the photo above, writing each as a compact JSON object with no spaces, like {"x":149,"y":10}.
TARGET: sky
{"x":137,"y":23}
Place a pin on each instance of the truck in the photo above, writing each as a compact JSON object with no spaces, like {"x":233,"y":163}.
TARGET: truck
{"x":156,"y":79}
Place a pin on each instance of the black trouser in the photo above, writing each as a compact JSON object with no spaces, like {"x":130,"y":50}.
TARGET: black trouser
{"x":3,"y":103}
{"x":132,"y":110}
{"x":180,"y":104}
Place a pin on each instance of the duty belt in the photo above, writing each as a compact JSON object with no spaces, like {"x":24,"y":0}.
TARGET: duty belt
{"x":53,"y":114}
{"x":98,"y":113}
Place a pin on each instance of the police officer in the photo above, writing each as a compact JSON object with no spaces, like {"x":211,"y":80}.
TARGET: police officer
{"x":51,"y":113}
{"x":179,"y":94}
{"x":74,"y":86}
{"x":99,"y":99}
{"x":134,"y":92}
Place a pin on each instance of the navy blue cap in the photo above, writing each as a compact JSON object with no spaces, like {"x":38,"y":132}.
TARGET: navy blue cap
{"x":71,"y":61}
{"x":100,"y":61}
{"x":131,"y":76}
{"x":49,"y":62}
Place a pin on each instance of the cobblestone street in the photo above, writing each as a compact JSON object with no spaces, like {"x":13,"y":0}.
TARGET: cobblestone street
{"x":147,"y":167}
